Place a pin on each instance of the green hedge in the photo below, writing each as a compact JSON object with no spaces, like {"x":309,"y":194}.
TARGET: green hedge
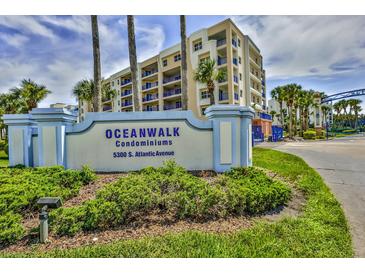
{"x":173,"y":190}
{"x":20,"y":188}
{"x":309,"y":135}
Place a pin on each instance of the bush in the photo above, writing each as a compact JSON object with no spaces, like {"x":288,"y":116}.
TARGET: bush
{"x":2,"y":144}
{"x":11,"y":229}
{"x":349,"y":131}
{"x":171,"y":189}
{"x":20,"y":188}
{"x":309,"y":135}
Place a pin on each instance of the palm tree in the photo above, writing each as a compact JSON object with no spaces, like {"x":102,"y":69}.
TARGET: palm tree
{"x":307,"y":103}
{"x":357,"y":109}
{"x":184,"y":79}
{"x":353,"y":103}
{"x":84,"y":91}
{"x":325,"y":110}
{"x":97,"y":65}
{"x":278,"y":94}
{"x":30,"y":93}
{"x":207,"y":73}
{"x":291,"y":91}
{"x":133,"y":60}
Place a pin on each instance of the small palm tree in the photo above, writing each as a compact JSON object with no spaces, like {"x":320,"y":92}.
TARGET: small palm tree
{"x":184,"y":79}
{"x":84,"y":91}
{"x":107,"y":92}
{"x":208,"y":73}
{"x":30,"y":93}
{"x":133,"y":61}
{"x":278,"y":94}
{"x":97,"y":66}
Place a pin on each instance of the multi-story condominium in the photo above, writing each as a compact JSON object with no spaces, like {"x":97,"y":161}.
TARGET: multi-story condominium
{"x":159,"y":78}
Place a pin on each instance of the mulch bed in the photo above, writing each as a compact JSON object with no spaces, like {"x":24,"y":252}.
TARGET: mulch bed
{"x":153,"y":224}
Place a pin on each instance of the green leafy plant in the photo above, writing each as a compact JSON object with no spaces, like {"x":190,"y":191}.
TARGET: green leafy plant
{"x":309,"y":135}
{"x":171,"y":189}
{"x":21,"y":187}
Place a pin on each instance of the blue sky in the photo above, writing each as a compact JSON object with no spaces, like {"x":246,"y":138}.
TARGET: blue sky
{"x":325,"y":53}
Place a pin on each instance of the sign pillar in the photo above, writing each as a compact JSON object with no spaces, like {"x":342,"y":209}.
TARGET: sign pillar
{"x":19,"y":136}
{"x":51,"y":125}
{"x":232,"y":136}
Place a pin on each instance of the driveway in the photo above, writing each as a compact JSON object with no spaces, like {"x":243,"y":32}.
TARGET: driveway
{"x":341,"y":163}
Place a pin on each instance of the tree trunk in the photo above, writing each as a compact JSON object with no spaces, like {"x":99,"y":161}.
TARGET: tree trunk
{"x":290,"y":122}
{"x":281,"y":114}
{"x":133,"y":61}
{"x":184,"y":79}
{"x":211,"y":87}
{"x":97,"y":66}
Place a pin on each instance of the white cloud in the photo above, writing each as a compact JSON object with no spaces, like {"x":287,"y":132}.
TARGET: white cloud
{"x":296,"y":46}
{"x":15,"y":40}
{"x":60,"y":65}
{"x":27,"y":24}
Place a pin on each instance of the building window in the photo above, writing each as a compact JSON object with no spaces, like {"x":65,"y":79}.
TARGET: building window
{"x":198,"y":45}
{"x":240,"y":76}
{"x":164,"y":63}
{"x":241,"y":92}
{"x":239,"y":60}
{"x":112,"y":83}
{"x":239,"y":43}
{"x":118,"y":82}
{"x":204,"y":94}
{"x":177,"y":57}
{"x":118,"y":103}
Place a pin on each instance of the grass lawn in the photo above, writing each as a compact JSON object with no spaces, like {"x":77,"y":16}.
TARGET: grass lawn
{"x":320,"y":231}
{"x":4,"y":161}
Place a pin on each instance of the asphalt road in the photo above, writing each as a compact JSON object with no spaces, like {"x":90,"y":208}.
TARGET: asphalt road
{"x":341,"y":163}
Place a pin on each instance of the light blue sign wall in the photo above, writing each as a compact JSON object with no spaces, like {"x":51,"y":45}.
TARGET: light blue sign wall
{"x":121,"y":141}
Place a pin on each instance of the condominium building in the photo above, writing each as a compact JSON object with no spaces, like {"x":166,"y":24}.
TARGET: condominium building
{"x":159,"y":77}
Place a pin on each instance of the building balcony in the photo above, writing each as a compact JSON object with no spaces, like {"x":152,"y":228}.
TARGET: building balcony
{"x":126,"y":93}
{"x":150,"y":108}
{"x":172,"y":79}
{"x":127,"y":104}
{"x":149,"y":85}
{"x":223,"y":96}
{"x":106,"y":100}
{"x":126,"y":82}
{"x":149,"y":73}
{"x":255,"y":92}
{"x":254,"y":63}
{"x":221,"y":61}
{"x":255,"y":77}
{"x":172,"y":92}
{"x":235,"y":79}
{"x":221,"y":42}
{"x":177,"y":105}
{"x":150,"y":97}
{"x":107,"y":108}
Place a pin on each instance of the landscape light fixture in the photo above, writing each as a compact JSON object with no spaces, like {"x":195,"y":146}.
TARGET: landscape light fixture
{"x":45,"y":203}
